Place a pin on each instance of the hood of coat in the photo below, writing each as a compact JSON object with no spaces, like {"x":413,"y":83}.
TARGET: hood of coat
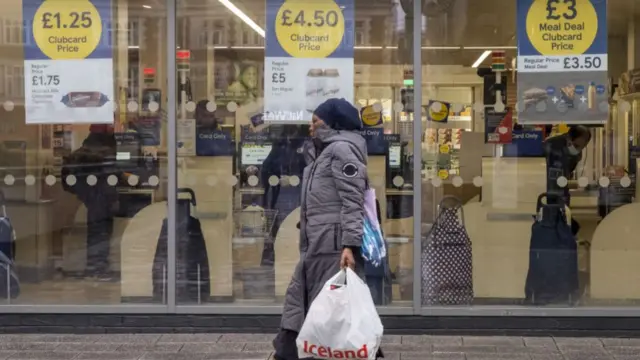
{"x":328,"y":136}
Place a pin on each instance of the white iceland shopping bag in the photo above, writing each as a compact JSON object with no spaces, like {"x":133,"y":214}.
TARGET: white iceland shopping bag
{"x":342,"y":322}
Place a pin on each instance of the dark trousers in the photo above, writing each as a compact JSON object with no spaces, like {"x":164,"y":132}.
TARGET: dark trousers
{"x":575,"y":227}
{"x":285,"y":345}
{"x":286,"y":349}
{"x":99,"y":231}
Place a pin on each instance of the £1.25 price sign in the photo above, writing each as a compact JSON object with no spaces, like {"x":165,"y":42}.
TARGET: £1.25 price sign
{"x":68,"y":62}
{"x":67,"y":29}
{"x":309,"y":56}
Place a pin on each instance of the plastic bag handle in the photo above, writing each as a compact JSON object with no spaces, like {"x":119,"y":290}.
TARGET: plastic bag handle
{"x":340,"y":278}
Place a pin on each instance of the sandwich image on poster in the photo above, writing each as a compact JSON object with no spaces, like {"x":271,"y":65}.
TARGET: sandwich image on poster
{"x":533,"y":96}
{"x":563,"y":97}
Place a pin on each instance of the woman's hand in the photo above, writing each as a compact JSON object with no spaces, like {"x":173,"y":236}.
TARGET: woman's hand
{"x":347,"y":260}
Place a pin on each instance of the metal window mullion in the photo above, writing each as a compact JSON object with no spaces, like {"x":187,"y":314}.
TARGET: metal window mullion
{"x":171,"y":153}
{"x":417,"y":154}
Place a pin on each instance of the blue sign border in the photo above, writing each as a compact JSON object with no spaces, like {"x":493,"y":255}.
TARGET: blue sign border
{"x":33,"y":52}
{"x":526,"y":48}
{"x":344,"y":50}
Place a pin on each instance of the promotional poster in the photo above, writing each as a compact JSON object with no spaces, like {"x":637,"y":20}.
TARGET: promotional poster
{"x":64,"y":49}
{"x":309,"y":57}
{"x":562,"y":62}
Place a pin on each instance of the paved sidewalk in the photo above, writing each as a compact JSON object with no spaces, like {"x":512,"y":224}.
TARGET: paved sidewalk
{"x":258,"y":347}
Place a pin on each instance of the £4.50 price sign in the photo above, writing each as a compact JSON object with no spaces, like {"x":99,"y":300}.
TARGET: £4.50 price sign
{"x":309,"y":56}
{"x":70,"y":68}
{"x":309,"y":29}
{"x":562,"y":61}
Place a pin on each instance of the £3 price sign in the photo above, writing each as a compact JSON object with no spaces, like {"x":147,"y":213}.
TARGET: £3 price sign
{"x":562,"y":27}
{"x":309,"y":28}
{"x":562,"y":61}
{"x":67,"y":29}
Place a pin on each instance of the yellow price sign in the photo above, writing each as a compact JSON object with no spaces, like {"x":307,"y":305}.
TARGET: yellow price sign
{"x":444,"y":149}
{"x":443,"y":174}
{"x":371,"y":117}
{"x":67,"y":29}
{"x":309,"y":29}
{"x":562,"y":27}
{"x":438,"y":111}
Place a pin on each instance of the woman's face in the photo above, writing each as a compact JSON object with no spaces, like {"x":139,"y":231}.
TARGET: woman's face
{"x":316,"y":123}
{"x":250,"y":77}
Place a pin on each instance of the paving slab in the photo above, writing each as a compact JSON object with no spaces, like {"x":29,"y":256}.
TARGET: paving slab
{"x":258,"y":347}
{"x":189,"y":338}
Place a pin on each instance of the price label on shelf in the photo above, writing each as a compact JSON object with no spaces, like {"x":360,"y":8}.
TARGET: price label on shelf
{"x":309,"y":57}
{"x":69,"y":71}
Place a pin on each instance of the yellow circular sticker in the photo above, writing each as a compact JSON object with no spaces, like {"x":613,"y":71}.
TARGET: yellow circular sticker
{"x":562,"y":27}
{"x":443,"y":174}
{"x":67,"y":29}
{"x":309,"y":29}
{"x":444,"y":149}
{"x":370,"y":117}
{"x":438,"y":111}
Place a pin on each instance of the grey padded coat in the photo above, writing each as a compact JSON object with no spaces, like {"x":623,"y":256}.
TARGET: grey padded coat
{"x":332,"y":210}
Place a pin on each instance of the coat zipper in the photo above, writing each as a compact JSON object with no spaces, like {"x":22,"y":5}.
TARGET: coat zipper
{"x":311,"y":173}
{"x":335,"y":236}
{"x":313,"y":169}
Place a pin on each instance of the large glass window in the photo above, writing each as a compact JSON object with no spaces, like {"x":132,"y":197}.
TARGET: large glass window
{"x":246,"y":171}
{"x":517,"y":99}
{"x":513,"y":108}
{"x":82,"y":151}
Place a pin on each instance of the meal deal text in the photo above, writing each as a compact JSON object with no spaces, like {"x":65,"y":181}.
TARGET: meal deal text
{"x":309,"y":56}
{"x":68,"y":67}
{"x":562,"y":61}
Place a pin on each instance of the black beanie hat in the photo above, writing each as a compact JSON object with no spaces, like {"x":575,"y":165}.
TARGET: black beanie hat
{"x":339,"y":114}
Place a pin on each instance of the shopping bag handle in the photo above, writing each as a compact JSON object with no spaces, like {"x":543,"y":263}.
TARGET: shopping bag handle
{"x":340,"y":278}
{"x":453,"y":203}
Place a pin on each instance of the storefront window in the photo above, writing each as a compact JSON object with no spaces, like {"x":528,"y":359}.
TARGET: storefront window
{"x":242,"y":126}
{"x":528,"y":148}
{"x":82,"y":151}
{"x":529,"y":122}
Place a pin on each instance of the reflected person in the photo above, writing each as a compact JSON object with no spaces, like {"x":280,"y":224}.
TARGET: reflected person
{"x":95,"y":157}
{"x":564,"y":153}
